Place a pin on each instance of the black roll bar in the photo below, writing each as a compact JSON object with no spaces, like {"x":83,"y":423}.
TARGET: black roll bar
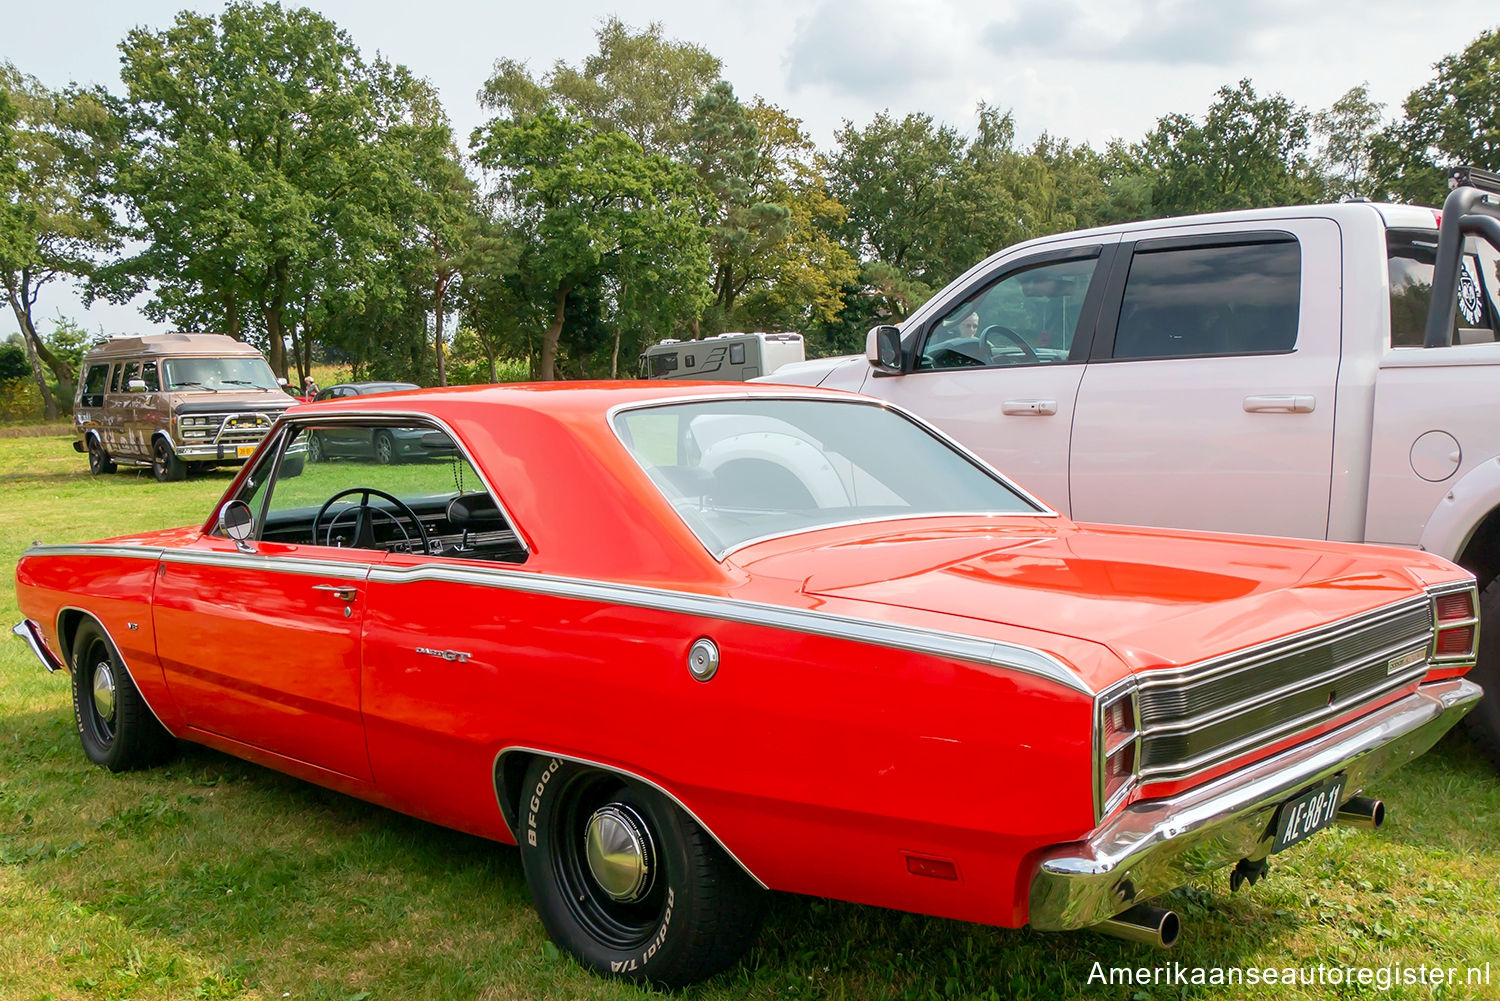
{"x":1466,"y":212}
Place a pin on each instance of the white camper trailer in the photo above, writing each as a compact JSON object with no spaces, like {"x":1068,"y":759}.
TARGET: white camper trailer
{"x":732,"y":357}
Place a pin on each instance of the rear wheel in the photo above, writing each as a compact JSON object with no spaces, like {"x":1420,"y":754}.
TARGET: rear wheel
{"x":99,"y":460}
{"x":314,"y":448}
{"x":627,"y":882}
{"x":1483,"y":720}
{"x":165,"y":465}
{"x":115,"y":725}
{"x":385,"y":448}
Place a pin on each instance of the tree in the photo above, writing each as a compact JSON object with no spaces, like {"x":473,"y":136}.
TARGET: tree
{"x":1247,"y":152}
{"x":55,"y":220}
{"x":1349,"y":127}
{"x":585,"y":205}
{"x":261,"y":175}
{"x":1453,"y":120}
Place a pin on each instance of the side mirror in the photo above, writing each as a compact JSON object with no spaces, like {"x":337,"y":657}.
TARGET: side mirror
{"x":883,"y":348}
{"x":281,"y":382}
{"x":236,"y":521}
{"x":135,"y":386}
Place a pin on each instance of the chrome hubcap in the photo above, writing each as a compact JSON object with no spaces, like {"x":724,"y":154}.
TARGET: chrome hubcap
{"x":620,"y":852}
{"x":104,"y":692}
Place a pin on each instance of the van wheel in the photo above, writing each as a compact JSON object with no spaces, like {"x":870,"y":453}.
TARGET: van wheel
{"x":165,"y":465}
{"x":99,"y":460}
{"x":1483,"y":720}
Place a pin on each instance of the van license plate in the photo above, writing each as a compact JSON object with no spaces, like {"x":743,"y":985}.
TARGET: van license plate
{"x":244,"y":451}
{"x":1309,"y":813}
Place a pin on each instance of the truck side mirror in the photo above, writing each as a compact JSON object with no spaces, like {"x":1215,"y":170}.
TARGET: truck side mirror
{"x":883,"y":348}
{"x":135,"y":386}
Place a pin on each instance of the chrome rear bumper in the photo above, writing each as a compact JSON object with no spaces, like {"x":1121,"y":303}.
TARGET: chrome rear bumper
{"x":27,"y":630}
{"x":1157,"y":845}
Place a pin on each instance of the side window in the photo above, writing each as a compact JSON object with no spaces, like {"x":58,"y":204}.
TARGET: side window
{"x":662,"y":364}
{"x":1411,"y":256}
{"x":736,"y":354}
{"x":1240,"y":299}
{"x":152,"y":379}
{"x":94,"y":381}
{"x":114,"y":382}
{"x":1028,"y":317}
{"x":132,"y":371}
{"x":394,"y":488}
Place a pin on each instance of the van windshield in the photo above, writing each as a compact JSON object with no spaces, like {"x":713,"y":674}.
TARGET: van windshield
{"x":219,"y":374}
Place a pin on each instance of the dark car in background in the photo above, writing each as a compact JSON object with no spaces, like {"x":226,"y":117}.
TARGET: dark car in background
{"x":384,"y":445}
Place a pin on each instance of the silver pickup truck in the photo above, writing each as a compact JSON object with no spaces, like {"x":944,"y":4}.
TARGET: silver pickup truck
{"x":1326,"y":372}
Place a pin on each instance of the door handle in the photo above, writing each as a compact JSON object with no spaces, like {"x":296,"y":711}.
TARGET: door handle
{"x":343,"y":592}
{"x":1029,"y":408}
{"x":1280,"y":404}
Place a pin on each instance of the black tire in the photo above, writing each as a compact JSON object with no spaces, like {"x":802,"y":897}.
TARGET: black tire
{"x":315,"y":451}
{"x":1483,"y":720}
{"x":385,"y":448}
{"x":165,"y":465}
{"x":121,"y":736}
{"x":99,"y":460}
{"x":695,"y":912}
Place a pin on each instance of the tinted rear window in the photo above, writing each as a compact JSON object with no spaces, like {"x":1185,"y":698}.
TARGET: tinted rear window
{"x":1229,"y":300}
{"x":1411,"y":256}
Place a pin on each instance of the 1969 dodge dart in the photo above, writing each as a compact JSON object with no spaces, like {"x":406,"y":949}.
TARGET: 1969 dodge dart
{"x":685,"y":644}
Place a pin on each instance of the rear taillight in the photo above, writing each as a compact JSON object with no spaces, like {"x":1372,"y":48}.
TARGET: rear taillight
{"x":1455,"y":625}
{"x":1117,"y":740}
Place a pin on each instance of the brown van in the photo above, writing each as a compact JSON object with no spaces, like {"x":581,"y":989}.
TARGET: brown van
{"x":172,"y":400}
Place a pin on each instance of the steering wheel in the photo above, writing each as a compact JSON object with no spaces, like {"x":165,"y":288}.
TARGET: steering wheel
{"x":1011,"y":336}
{"x":364,"y":520}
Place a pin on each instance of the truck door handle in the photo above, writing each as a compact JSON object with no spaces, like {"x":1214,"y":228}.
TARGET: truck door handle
{"x":1029,"y":408}
{"x":343,"y":592}
{"x":1280,"y":404}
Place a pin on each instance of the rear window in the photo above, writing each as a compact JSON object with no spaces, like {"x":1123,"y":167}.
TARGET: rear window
{"x":1411,"y":257}
{"x":1238,"y":299}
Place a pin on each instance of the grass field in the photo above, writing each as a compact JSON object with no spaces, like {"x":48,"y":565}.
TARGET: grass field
{"x":212,"y":878}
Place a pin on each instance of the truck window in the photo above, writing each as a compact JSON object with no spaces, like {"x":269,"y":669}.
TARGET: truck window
{"x":152,"y":379}
{"x":1239,"y":299}
{"x":1028,"y":317}
{"x":1411,"y":256}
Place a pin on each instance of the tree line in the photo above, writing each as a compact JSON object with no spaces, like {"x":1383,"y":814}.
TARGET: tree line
{"x":258,"y":175}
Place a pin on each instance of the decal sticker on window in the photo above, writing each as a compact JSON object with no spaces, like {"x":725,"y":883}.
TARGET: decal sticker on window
{"x":1470,"y":302}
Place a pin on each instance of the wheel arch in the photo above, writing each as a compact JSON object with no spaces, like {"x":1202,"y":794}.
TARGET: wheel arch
{"x":510,"y":771}
{"x":1465,"y":525}
{"x":70,"y":619}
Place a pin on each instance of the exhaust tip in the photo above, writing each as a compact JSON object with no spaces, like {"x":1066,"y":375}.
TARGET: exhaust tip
{"x":1363,"y":812}
{"x":1144,"y":924}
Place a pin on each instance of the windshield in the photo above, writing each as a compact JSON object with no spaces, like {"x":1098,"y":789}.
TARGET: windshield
{"x":219,"y":374}
{"x":739,"y":470}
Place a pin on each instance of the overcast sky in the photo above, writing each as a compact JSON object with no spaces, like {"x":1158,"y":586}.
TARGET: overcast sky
{"x":1090,"y":70}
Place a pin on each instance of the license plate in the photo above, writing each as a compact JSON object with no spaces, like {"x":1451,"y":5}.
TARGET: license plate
{"x":1309,"y":813}
{"x":244,"y":451}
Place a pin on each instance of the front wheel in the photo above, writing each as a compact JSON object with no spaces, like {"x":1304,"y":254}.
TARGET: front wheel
{"x":385,"y":448}
{"x":627,"y":882}
{"x":99,"y":460}
{"x":117,"y":728}
{"x":165,"y":465}
{"x":1484,"y":719}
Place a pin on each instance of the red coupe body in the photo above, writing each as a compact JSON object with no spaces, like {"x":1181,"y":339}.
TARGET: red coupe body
{"x":907,"y":709}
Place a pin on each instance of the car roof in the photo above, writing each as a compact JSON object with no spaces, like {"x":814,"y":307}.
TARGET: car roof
{"x":170,"y":345}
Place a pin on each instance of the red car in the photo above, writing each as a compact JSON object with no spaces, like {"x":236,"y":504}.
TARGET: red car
{"x":684,"y":644}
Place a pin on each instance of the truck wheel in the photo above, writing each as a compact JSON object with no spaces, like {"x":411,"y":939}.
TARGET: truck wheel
{"x":628,"y":883}
{"x":99,"y":460}
{"x":165,"y":465}
{"x":116,"y":727}
{"x":1484,"y":719}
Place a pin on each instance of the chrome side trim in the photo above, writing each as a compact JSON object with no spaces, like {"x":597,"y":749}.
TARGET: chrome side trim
{"x":96,"y":549}
{"x":989,"y":653}
{"x":26,"y":629}
{"x":504,"y":814}
{"x":124,"y":666}
{"x":1158,"y":845}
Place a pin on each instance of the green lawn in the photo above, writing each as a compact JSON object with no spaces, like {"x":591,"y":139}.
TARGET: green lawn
{"x":212,"y":878}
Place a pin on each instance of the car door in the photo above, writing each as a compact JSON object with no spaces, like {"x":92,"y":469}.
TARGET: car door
{"x":998,"y":361}
{"x":263,"y":647}
{"x":1209,"y":400}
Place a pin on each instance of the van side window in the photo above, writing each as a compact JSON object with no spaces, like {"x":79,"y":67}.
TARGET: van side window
{"x":1240,"y":299}
{"x":114,"y":382}
{"x":149,"y":375}
{"x":94,"y":381}
{"x":132,"y":371}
